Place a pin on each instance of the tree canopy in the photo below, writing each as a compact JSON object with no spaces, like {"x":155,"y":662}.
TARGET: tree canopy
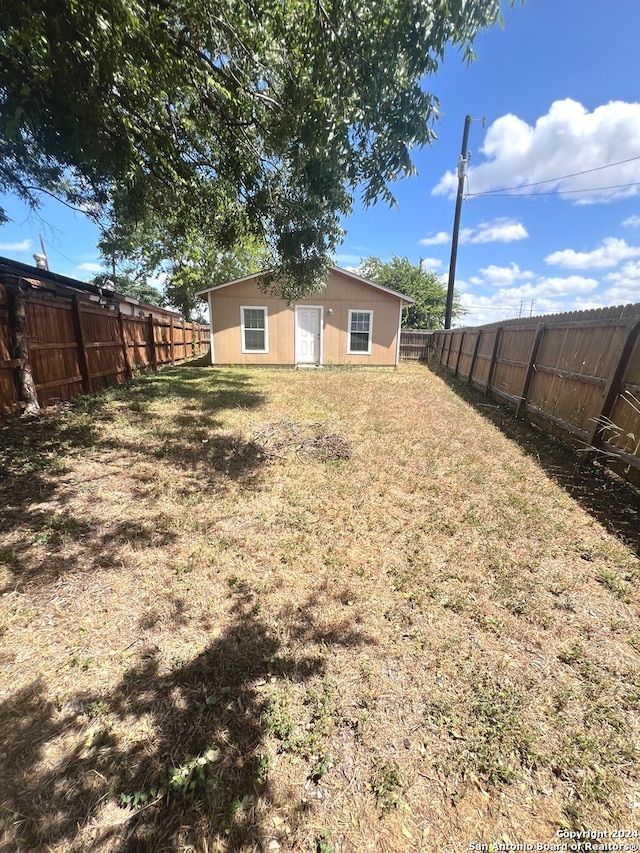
{"x":427,"y":288}
{"x":229,"y":119}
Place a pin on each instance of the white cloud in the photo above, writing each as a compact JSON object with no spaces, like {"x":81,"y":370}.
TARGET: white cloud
{"x":552,"y":286}
{"x":621,"y":295}
{"x":567,"y":141}
{"x":632,"y":222}
{"x":491,"y":309}
{"x":504,"y":276}
{"x":437,"y":239}
{"x":431,"y":263}
{"x":22,"y":246}
{"x":612,"y":252}
{"x":624,"y":284}
{"x":547,"y":295}
{"x":90,"y":267}
{"x":499,"y":231}
{"x":580,"y":304}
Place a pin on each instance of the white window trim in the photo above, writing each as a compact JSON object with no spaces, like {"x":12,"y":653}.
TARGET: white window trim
{"x":211,"y":334}
{"x":360,"y":311}
{"x":399,"y":333}
{"x":244,"y":308}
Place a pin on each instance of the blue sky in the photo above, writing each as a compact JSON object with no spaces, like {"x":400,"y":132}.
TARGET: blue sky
{"x":559,"y":88}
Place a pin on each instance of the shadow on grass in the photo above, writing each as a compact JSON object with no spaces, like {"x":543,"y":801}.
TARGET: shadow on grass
{"x":614,"y":503}
{"x":176,"y":756}
{"x":35,"y":458}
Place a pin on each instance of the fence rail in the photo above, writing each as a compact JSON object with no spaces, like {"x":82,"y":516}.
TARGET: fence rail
{"x":576,"y":375}
{"x":76,"y":346}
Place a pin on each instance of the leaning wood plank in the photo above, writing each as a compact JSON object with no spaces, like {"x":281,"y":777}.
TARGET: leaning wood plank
{"x":455,"y":372}
{"x":614,"y":384}
{"x":26,"y":386}
{"x":83,"y":358}
{"x":125,"y":346}
{"x":474,"y":357}
{"x":535,"y":346}
{"x":494,"y":356}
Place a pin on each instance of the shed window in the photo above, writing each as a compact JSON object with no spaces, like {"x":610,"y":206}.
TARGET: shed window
{"x":360,"y":326}
{"x":254,"y":329}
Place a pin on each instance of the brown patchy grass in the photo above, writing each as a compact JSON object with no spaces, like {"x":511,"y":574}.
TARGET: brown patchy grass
{"x":420,"y":642}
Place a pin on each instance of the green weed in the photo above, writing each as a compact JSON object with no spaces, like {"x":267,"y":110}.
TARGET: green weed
{"x":386,"y":785}
{"x":614,"y":584}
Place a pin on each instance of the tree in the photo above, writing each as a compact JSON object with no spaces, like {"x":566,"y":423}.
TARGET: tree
{"x":224,"y":117}
{"x":427,"y":288}
{"x":188,"y":259}
{"x":210,"y":267}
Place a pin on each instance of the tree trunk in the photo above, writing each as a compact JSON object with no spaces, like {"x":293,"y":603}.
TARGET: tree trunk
{"x":26,"y":385}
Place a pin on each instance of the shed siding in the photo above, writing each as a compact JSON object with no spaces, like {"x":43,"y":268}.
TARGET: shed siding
{"x":340,"y":294}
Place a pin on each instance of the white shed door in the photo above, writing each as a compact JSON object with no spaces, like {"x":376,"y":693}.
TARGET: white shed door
{"x":307,"y":335}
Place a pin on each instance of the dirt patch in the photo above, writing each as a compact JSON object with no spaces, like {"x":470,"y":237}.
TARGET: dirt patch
{"x":306,"y":441}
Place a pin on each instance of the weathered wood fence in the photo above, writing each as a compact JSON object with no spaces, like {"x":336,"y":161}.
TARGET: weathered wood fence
{"x":415,"y":344}
{"x":576,"y":374}
{"x":76,"y":346}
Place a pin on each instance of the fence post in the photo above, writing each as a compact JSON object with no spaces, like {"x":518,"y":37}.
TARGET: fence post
{"x":83,"y":356}
{"x":474,"y":357}
{"x":125,"y":346}
{"x":172,"y":344}
{"x":494,"y":358}
{"x":612,"y":388}
{"x":151,"y":344}
{"x":533,"y":354}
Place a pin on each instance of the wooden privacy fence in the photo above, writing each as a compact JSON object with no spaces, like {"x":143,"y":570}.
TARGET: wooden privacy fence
{"x":76,"y":346}
{"x":415,"y":344}
{"x":576,"y":373}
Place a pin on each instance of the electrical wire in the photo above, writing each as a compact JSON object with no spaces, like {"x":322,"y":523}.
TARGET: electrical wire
{"x":507,"y":190}
{"x":496,"y":194}
{"x":66,"y":257}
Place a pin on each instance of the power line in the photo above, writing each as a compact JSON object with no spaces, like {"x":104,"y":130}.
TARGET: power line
{"x":497,"y":194}
{"x":562,"y":178}
{"x":58,"y":252}
{"x":491,"y":307}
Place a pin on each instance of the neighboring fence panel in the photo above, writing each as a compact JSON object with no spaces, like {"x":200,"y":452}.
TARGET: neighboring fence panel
{"x":415,"y":345}
{"x":577,"y":373}
{"x":77,"y":346}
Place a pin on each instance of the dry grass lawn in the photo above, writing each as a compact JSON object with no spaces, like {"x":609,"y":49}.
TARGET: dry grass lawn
{"x":338,"y":610}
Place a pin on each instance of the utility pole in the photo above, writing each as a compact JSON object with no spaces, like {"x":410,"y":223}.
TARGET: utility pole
{"x":462,"y":174}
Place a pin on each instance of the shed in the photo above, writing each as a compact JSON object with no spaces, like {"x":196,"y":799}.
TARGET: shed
{"x":350,"y":321}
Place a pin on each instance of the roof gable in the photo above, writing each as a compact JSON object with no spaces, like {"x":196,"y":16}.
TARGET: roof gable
{"x":406,"y":299}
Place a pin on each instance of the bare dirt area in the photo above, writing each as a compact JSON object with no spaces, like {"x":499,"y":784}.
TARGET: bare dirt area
{"x":338,"y":610}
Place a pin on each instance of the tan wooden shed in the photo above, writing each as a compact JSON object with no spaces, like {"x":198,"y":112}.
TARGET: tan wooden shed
{"x":351,"y":321}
